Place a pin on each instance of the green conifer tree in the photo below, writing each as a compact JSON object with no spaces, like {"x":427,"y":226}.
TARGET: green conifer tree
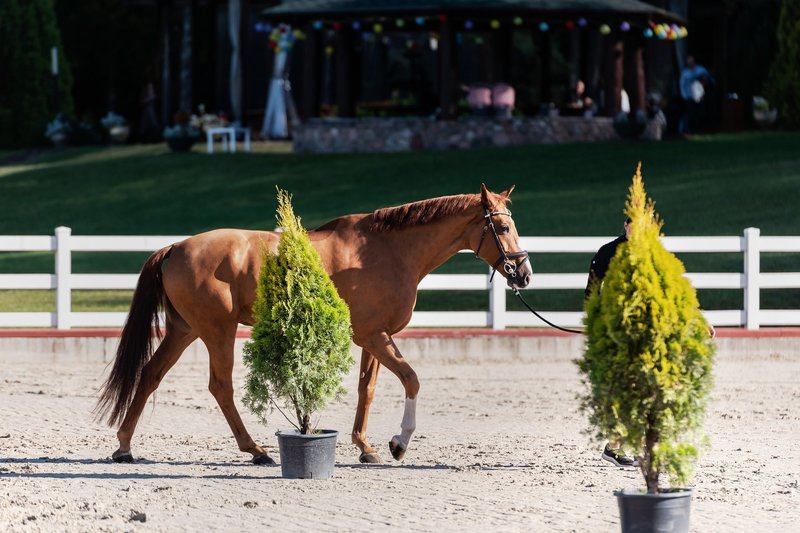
{"x":648,"y":355}
{"x":783,"y":85}
{"x":300,"y":343}
{"x":28,"y":30}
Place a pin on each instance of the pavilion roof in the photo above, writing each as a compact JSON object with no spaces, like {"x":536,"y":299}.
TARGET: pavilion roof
{"x":543,"y":8}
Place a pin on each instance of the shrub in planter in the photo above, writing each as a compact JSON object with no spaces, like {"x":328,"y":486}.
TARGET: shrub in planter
{"x":116,"y":126}
{"x":58,"y":130}
{"x":630,"y":126}
{"x":181,"y":137}
{"x":648,"y":356}
{"x":300,"y":344}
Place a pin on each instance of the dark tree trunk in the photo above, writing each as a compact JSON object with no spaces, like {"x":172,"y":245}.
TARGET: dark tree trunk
{"x":650,"y":472}
{"x":634,"y":73}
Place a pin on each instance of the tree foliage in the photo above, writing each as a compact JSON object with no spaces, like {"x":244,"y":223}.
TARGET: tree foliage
{"x":648,"y":355}
{"x":783,"y":85}
{"x":300,"y":343}
{"x":28,"y":30}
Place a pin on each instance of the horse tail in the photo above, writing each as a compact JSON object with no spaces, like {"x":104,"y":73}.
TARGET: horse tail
{"x":136,"y":342}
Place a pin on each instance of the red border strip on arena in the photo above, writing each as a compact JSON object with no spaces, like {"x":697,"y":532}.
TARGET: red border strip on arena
{"x":411,"y":333}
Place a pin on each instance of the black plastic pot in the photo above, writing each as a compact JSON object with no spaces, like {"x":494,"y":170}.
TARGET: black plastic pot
{"x":667,"y":512}
{"x":181,"y":144}
{"x":307,"y":456}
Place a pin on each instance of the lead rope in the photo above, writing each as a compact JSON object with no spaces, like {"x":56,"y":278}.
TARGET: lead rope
{"x":543,"y":319}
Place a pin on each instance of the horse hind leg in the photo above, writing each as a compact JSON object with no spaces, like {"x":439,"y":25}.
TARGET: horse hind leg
{"x":164,"y":358}
{"x":220,"y":384}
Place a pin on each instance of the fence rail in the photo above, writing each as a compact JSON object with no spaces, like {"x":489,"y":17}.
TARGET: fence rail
{"x":751,"y":280}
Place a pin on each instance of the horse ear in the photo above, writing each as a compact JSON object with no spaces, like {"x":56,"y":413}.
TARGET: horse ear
{"x":484,"y":194}
{"x":507,"y":192}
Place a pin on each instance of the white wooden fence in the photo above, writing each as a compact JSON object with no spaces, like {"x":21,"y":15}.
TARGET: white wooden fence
{"x":751,"y":280}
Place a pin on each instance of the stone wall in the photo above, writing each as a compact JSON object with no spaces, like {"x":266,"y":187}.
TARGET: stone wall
{"x":417,"y":133}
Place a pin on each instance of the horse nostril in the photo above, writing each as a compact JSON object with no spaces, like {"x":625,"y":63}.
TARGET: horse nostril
{"x":526,"y":280}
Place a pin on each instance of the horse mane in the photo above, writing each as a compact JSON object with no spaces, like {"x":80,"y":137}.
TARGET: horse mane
{"x":422,"y":212}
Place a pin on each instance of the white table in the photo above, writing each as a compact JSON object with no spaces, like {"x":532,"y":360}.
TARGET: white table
{"x":228,"y":135}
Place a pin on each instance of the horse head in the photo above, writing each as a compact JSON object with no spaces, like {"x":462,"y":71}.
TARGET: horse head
{"x":496,"y":241}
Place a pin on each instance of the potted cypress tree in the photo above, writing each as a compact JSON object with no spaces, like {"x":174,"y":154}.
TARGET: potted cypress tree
{"x":299,"y":348}
{"x":648,"y":363}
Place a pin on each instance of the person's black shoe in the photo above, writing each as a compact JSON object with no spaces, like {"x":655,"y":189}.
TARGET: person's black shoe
{"x":617,"y":457}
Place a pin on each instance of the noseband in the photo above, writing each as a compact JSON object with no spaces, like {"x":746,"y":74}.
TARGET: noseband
{"x":509,"y":266}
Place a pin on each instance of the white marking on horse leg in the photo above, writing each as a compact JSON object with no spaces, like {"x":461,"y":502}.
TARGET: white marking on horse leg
{"x":408,"y":425}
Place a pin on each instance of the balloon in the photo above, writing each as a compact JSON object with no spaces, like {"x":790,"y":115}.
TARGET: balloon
{"x":543,"y":26}
{"x":605,"y":29}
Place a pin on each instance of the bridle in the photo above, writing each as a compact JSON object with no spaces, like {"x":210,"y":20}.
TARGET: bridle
{"x":509,"y":266}
{"x":506,"y":258}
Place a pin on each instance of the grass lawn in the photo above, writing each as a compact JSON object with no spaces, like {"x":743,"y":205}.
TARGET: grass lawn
{"x":714,"y":185}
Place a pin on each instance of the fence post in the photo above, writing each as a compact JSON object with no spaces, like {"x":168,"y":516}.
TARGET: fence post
{"x":497,"y":302}
{"x":63,"y":277}
{"x":752,"y":271}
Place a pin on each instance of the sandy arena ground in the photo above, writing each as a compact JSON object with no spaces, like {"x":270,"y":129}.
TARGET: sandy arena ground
{"x":498,"y":447}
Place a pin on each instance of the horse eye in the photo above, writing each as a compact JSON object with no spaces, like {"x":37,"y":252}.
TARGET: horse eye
{"x":504,"y":229}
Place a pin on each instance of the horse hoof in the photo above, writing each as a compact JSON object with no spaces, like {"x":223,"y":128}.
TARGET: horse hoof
{"x":122,"y":457}
{"x":263,"y":459}
{"x":370,"y":458}
{"x":398,"y":452}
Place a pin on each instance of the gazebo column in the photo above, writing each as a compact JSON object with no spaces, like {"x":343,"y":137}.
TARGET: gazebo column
{"x":211,"y":61}
{"x":164,"y":12}
{"x":614,"y":56}
{"x":500,"y":56}
{"x":574,"y":57}
{"x":594,"y":62}
{"x":309,"y":94}
{"x":546,"y":91}
{"x":447,"y":70}
{"x":345,"y":97}
{"x":634,"y":72}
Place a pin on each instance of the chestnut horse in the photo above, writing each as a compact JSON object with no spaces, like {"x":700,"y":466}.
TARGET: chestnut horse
{"x":206,"y":285}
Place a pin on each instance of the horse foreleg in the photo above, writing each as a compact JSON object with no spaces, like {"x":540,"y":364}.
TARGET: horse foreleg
{"x":220,"y":384}
{"x":366,"y":392}
{"x":384,"y":349}
{"x":164,"y":358}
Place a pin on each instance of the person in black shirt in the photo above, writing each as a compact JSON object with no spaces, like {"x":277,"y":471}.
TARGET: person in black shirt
{"x":612,"y":452}
{"x":601,"y":260}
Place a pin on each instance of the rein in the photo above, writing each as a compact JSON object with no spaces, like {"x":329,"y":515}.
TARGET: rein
{"x":510,"y":267}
